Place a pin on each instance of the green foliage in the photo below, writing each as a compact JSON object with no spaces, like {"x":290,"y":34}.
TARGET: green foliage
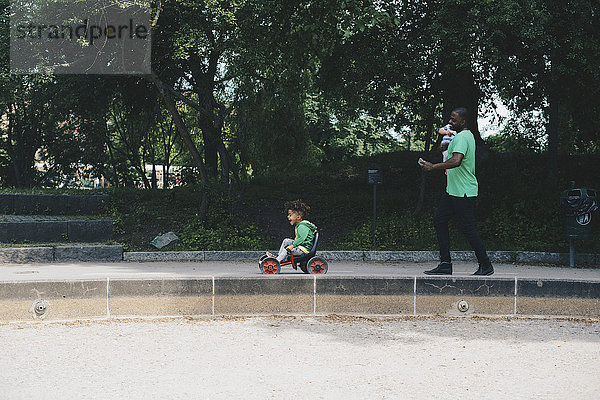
{"x":523,"y":133}
{"x":296,"y":85}
{"x":196,"y":236}
{"x":140,"y":215}
{"x":523,"y":227}
{"x":531,"y":58}
{"x":395,"y":232}
{"x":521,"y":216}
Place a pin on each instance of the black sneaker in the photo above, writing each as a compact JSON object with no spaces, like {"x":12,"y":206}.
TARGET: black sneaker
{"x":484,"y":270}
{"x":444,"y":268}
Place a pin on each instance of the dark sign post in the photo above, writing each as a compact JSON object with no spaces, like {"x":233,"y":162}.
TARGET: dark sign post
{"x":374,"y":178}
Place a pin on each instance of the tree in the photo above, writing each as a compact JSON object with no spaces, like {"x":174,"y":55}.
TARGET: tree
{"x":192,"y":41}
{"x":544,"y":55}
{"x":132,"y":116}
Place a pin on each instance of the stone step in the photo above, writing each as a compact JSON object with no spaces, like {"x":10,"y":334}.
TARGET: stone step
{"x":48,"y":229}
{"x":51,"y":204}
{"x":61,"y":253}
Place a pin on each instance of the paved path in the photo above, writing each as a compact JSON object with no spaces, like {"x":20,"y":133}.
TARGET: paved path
{"x":182,"y":270}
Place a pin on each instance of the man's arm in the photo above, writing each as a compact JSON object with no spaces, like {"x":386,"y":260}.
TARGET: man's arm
{"x":452,"y":162}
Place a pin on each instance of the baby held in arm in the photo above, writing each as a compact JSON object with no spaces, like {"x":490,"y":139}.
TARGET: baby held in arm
{"x":447,"y":135}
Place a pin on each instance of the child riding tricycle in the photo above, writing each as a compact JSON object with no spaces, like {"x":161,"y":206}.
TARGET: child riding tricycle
{"x":299,"y":252}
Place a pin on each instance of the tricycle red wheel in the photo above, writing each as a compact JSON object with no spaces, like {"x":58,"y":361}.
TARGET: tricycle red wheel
{"x":269,"y":266}
{"x":317,"y":265}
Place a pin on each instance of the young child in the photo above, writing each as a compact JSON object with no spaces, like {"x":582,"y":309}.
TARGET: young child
{"x":304,"y":231}
{"x":448,"y":135}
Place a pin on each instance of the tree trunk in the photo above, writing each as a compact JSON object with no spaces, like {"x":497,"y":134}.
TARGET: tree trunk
{"x":181,"y":128}
{"x":11,"y":152}
{"x":154,"y":184}
{"x":111,"y":155}
{"x":552,"y":130}
{"x":227,"y":167}
{"x":187,"y":138}
{"x":210,"y":147}
{"x":165,"y":169}
{"x":460,"y":90}
{"x":430,"y":128}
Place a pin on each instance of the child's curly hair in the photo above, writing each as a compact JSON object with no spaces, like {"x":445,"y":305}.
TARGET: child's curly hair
{"x":298,"y":206}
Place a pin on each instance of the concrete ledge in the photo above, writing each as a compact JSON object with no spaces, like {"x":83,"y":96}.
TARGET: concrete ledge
{"x":300,"y":295}
{"x":473,"y":287}
{"x":260,"y":286}
{"x":558,"y":289}
{"x":52,"y":290}
{"x":90,"y":230}
{"x":144,"y":256}
{"x":88,"y":253}
{"x":342,"y":255}
{"x":364,"y":304}
{"x":366,"y":286}
{"x":26,"y":255}
{"x":160,"y":287}
{"x":63,"y":230}
{"x":390,"y":256}
{"x":370,"y":256}
{"x":34,"y":231}
{"x":51,"y":204}
{"x":499,"y":256}
{"x":65,"y":253}
{"x":557,"y":258}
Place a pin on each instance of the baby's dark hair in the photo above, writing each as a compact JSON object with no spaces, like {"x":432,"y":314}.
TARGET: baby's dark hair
{"x":298,"y":206}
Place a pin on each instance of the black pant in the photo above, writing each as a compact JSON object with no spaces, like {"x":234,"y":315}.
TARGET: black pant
{"x":462,"y":209}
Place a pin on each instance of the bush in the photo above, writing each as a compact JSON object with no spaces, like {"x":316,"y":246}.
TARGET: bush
{"x":196,"y":236}
{"x":394,"y":232}
{"x":516,"y":209}
{"x":142,"y":214}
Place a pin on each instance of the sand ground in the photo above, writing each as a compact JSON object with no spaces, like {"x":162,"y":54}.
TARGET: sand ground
{"x":279,"y":357}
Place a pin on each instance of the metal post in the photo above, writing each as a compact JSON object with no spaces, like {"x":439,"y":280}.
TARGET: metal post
{"x":374,"y":213}
{"x":374,"y":178}
{"x":571,"y":253}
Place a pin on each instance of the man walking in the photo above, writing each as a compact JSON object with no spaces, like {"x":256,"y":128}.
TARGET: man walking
{"x":459,"y":198}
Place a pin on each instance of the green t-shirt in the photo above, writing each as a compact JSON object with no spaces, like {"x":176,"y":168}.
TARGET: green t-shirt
{"x":461,"y":180}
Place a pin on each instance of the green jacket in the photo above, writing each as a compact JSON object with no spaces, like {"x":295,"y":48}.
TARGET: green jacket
{"x":305,"y":236}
